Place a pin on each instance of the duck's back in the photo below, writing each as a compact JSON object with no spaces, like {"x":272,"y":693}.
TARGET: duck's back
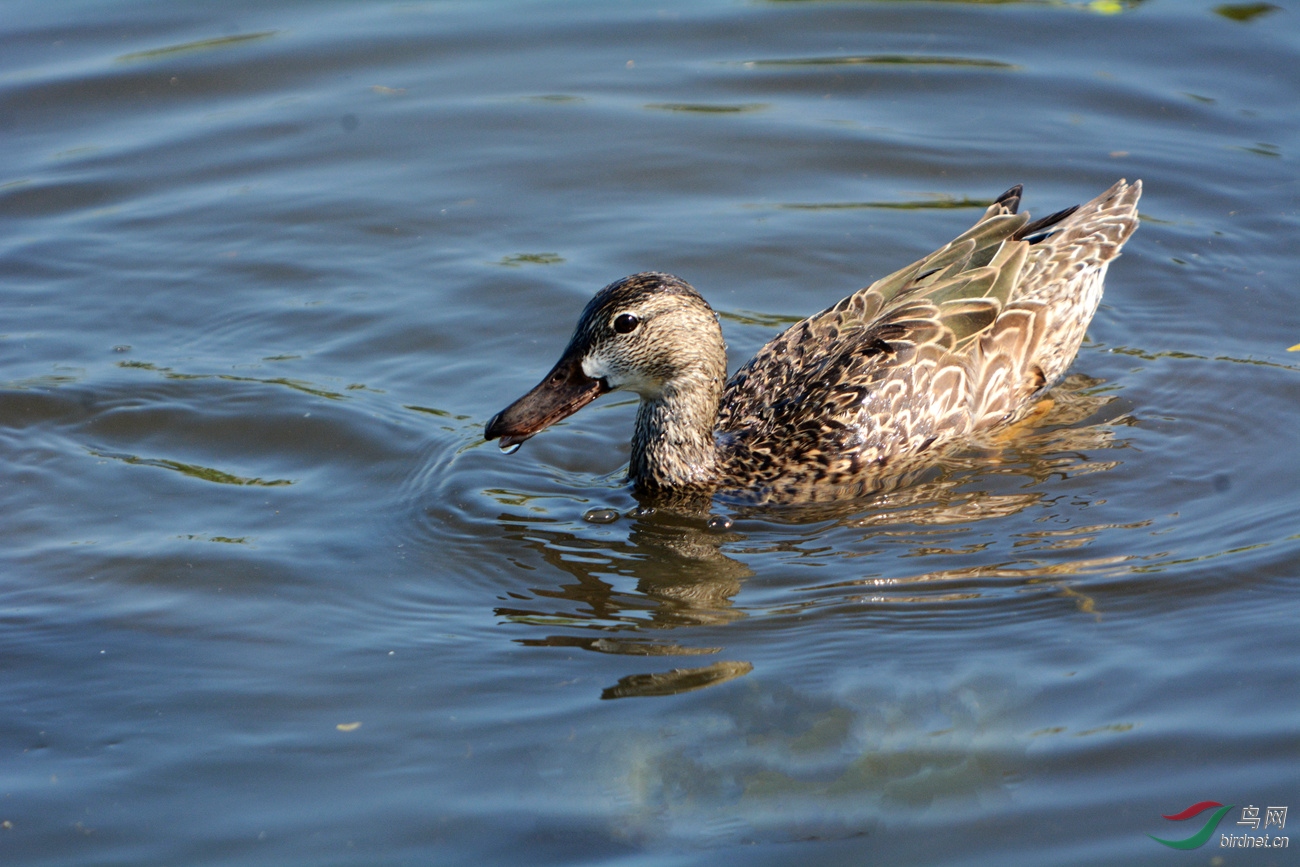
{"x":955,"y":344}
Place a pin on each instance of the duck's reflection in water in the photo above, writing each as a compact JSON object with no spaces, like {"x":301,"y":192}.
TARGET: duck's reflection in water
{"x":681,"y":578}
{"x":671,"y":572}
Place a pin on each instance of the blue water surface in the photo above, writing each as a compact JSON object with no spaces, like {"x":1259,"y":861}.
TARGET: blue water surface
{"x":267,"y":598}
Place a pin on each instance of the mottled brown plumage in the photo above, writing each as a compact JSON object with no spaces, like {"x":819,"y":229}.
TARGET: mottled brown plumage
{"x":954,"y":345}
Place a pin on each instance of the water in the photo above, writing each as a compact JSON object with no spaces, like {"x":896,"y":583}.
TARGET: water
{"x":267,"y":597}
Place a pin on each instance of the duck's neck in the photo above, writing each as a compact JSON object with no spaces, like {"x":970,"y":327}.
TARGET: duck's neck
{"x":673,"y":446}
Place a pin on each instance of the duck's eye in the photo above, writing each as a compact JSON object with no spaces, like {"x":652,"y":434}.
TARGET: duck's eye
{"x":625,"y":322}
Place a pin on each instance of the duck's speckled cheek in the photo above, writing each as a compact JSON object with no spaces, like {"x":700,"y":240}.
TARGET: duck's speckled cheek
{"x":564,"y":391}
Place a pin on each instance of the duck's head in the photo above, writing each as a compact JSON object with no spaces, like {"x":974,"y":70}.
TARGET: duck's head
{"x":649,"y":333}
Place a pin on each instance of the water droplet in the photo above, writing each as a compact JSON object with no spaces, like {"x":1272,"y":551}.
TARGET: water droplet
{"x":510,"y":448}
{"x":601,"y":516}
{"x":641,"y":512}
{"x":718,"y":522}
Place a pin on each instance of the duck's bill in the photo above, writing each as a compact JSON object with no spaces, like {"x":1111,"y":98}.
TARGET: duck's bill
{"x":564,"y":391}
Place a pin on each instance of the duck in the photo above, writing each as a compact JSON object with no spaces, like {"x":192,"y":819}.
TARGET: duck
{"x":956,"y":345}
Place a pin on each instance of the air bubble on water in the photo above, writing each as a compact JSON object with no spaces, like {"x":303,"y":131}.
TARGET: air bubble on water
{"x":510,"y":448}
{"x":718,"y":522}
{"x":640,"y":512}
{"x":601,"y":516}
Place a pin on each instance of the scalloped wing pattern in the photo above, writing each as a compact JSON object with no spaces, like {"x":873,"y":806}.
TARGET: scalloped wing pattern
{"x":957,"y":343}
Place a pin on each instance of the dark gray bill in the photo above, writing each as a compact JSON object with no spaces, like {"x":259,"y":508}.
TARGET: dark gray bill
{"x":564,"y":391}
